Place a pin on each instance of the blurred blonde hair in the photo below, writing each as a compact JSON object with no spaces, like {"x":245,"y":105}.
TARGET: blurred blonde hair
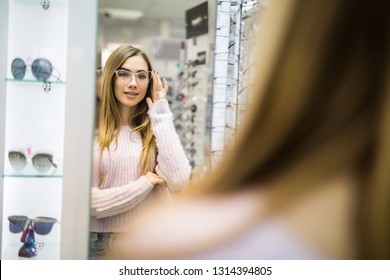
{"x":110,"y":121}
{"x":322,"y":103}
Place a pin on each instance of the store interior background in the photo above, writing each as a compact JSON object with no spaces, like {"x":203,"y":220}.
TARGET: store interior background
{"x":160,"y":21}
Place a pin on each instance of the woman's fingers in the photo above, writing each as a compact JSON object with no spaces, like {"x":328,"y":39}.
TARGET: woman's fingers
{"x":156,"y":81}
{"x":162,"y":183}
{"x":155,"y":179}
{"x":165,"y":87}
{"x":160,"y":88}
{"x":149,"y":101}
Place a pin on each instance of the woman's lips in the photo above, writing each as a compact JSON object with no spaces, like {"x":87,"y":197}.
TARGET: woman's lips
{"x":131,"y":94}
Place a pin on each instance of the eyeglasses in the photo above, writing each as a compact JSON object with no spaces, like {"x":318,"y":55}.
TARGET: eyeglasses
{"x":41,"y":68}
{"x":42,"y":162}
{"x":41,"y":225}
{"x":141,"y":77}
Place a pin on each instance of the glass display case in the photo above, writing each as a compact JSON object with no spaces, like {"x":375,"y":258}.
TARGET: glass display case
{"x":47,"y":90}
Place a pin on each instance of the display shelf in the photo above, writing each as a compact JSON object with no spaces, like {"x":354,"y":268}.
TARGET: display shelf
{"x":28,"y":81}
{"x":46,"y":86}
{"x":30,"y":176}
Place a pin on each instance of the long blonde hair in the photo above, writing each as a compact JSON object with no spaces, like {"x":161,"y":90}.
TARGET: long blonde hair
{"x":110,"y":121}
{"x":322,"y":103}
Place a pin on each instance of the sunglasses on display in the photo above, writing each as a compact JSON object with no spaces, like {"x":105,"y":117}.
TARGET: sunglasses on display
{"x":42,"y":162}
{"x":41,"y":225}
{"x":41,"y":69}
{"x":141,"y":76}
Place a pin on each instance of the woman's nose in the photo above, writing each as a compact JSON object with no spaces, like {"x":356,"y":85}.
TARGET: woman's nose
{"x":133,"y":81}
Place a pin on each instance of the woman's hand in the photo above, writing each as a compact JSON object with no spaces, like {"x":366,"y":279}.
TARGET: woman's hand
{"x":155,"y":179}
{"x":159,"y":90}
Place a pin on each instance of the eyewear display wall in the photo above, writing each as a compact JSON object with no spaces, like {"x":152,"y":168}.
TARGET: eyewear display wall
{"x":40,"y":84}
{"x":34,"y":128}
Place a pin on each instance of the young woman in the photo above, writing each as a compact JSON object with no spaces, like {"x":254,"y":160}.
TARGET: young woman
{"x":309,"y":176}
{"x":137,"y":154}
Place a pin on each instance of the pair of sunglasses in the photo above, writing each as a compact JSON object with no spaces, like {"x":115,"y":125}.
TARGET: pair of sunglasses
{"x":41,"y":68}
{"x":41,"y":225}
{"x":42,"y":162}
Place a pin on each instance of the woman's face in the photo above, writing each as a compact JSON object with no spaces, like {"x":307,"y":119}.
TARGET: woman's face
{"x":132,"y":80}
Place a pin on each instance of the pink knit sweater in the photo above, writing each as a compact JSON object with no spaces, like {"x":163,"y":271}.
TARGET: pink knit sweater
{"x":124,"y":192}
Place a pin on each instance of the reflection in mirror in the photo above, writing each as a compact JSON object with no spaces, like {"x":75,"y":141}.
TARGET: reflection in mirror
{"x":140,"y":152}
{"x":178,"y":37}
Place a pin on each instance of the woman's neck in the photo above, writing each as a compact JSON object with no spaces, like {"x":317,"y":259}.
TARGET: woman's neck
{"x":126,"y":113}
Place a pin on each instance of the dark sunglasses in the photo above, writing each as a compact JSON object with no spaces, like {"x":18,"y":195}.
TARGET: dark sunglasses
{"x":41,"y":68}
{"x":41,"y":225}
{"x":42,"y":162}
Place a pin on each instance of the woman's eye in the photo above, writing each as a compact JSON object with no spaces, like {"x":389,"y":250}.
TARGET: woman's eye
{"x":142,"y":75}
{"x":123,"y":74}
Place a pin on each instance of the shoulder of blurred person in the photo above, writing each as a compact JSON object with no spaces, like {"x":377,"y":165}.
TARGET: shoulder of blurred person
{"x":239,"y":226}
{"x":187,"y":226}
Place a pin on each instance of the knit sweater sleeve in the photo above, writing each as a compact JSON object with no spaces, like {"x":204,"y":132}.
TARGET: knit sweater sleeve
{"x":172,"y":163}
{"x":113,"y":201}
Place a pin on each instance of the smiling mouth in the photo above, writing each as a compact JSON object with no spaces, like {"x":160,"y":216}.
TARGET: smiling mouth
{"x":131,"y":94}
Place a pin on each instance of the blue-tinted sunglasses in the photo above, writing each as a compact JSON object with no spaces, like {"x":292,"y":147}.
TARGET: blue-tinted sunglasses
{"x":41,"y":225}
{"x":41,"y":68}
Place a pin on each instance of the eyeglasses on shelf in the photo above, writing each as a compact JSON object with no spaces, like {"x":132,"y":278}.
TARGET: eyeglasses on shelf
{"x":42,"y":162}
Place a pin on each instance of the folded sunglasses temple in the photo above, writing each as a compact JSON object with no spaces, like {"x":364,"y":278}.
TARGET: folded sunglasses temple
{"x":52,"y":162}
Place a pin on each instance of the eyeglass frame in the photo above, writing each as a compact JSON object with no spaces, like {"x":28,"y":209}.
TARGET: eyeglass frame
{"x":133,"y":74}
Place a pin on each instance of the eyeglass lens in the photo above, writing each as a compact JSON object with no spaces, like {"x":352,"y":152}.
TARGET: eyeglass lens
{"x":44,"y":227}
{"x":43,"y":162}
{"x":17,"y":160}
{"x":41,"y":69}
{"x":18,"y":68}
{"x":17,"y":223}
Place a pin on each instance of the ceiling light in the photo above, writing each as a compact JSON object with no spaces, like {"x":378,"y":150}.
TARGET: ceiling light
{"x":121,"y":13}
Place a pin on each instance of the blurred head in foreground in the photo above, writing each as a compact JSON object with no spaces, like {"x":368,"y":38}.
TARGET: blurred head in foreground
{"x":309,"y":176}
